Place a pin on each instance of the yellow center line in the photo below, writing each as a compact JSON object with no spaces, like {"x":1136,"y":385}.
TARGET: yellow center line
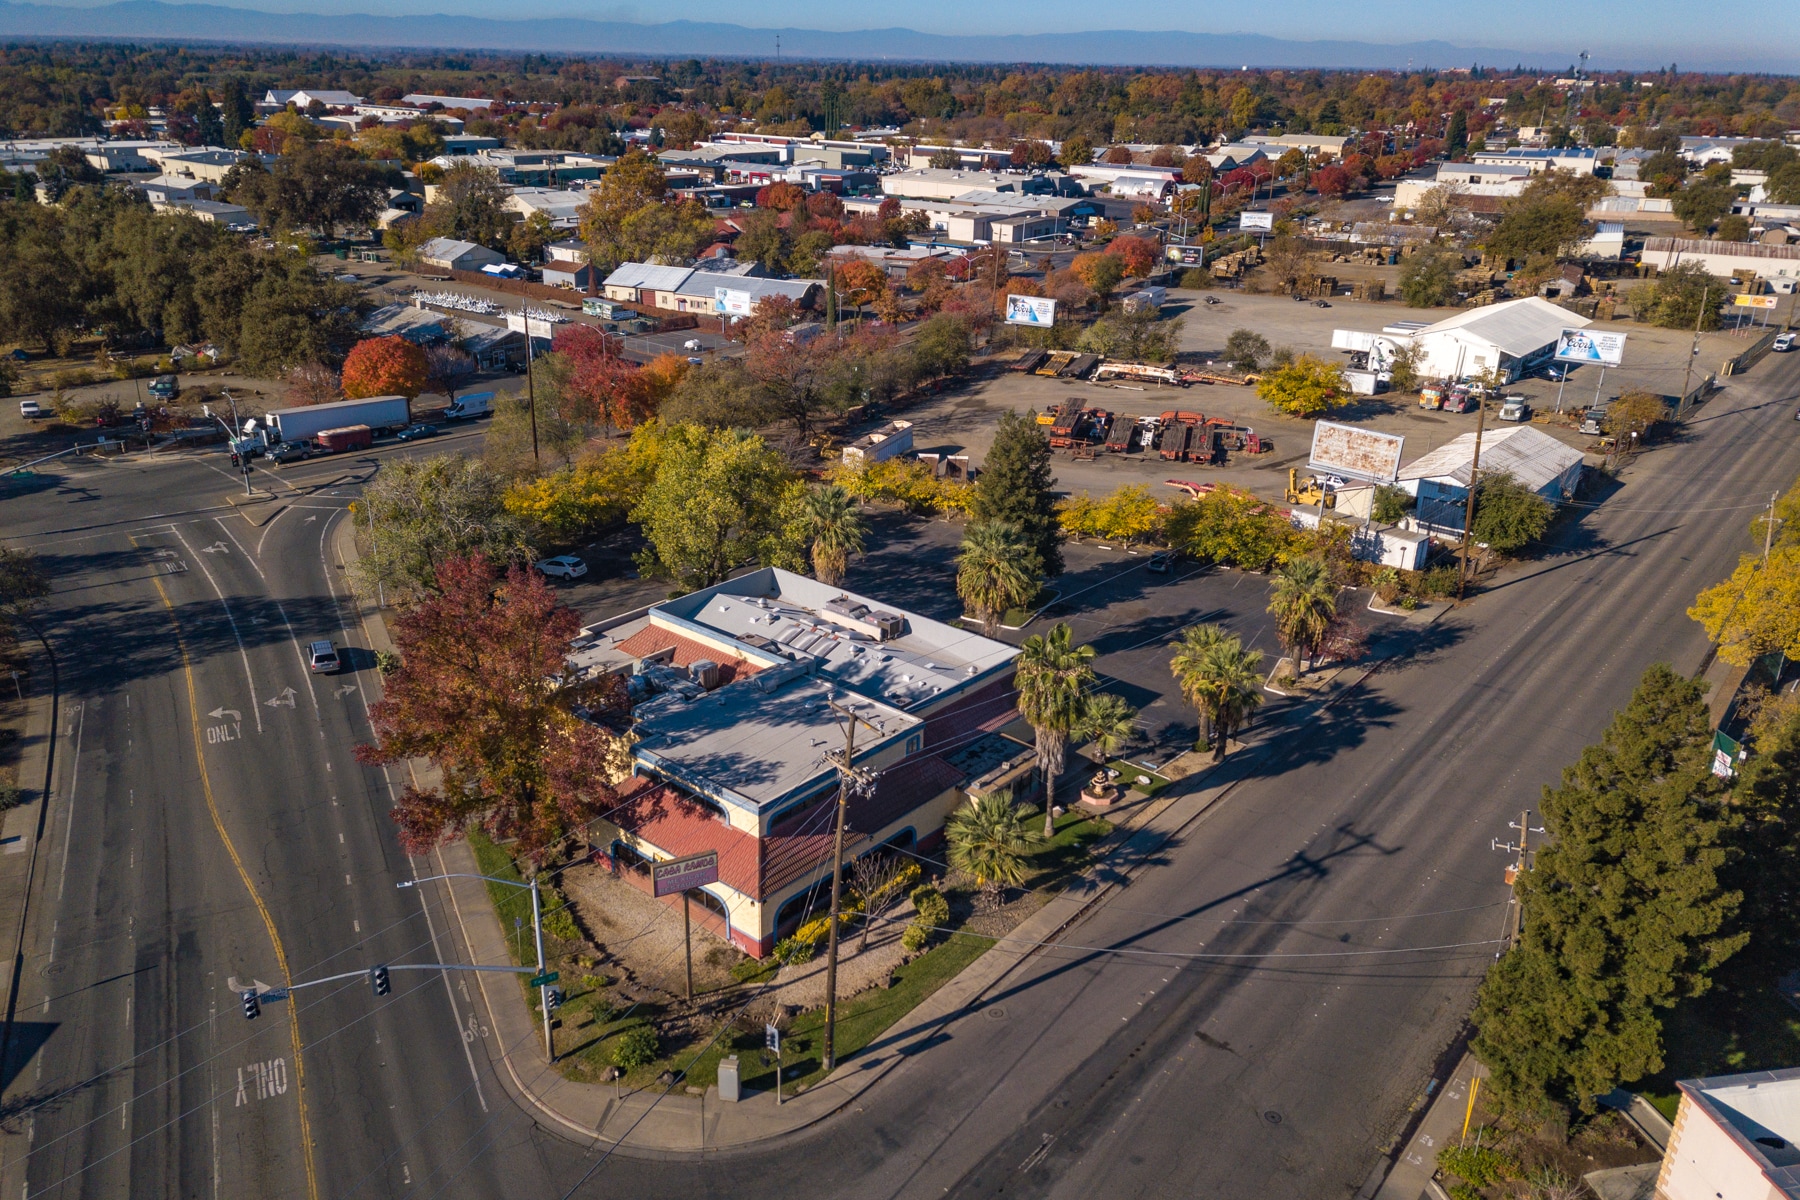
{"x":212,"y":808}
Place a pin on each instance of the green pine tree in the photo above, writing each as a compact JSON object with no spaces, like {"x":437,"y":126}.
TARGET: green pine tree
{"x":1016,"y":485}
{"x":1624,"y":912}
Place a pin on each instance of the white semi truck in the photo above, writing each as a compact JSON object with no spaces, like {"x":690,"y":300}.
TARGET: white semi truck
{"x":382,"y":414}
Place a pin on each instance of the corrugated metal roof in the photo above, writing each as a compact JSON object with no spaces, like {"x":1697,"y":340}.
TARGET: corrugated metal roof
{"x":648,"y":275}
{"x":1668,"y":245}
{"x":1532,"y":457}
{"x":1517,"y":327}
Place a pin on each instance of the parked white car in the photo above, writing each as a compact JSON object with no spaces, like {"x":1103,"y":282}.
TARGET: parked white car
{"x":31,"y":410}
{"x":563,"y":566}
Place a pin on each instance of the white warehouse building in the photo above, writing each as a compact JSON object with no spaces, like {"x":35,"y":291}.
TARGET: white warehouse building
{"x":1515,"y":337}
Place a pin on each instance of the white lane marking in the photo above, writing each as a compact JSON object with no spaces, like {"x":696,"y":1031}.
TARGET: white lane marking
{"x":248,"y":557}
{"x":430,"y":925}
{"x":69,"y":826}
{"x":242,"y":652}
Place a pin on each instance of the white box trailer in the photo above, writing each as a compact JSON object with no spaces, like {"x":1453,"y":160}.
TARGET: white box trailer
{"x":891,"y":440}
{"x":382,"y":414}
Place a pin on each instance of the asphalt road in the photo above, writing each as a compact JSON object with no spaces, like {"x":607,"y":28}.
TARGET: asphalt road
{"x":213,"y":823}
{"x":1251,"y":1017}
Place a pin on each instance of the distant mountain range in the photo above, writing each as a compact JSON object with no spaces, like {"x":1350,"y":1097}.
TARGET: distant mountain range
{"x":154,"y":20}
{"x":151,"y":19}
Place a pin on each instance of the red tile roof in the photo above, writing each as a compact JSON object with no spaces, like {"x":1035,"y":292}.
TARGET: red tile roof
{"x":652,"y":638}
{"x":679,"y":826}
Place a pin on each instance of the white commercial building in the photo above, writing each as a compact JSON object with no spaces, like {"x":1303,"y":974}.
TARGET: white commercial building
{"x":1725,"y":259}
{"x":1736,"y":1137}
{"x":1513,"y":337}
{"x":1440,"y":479}
{"x":449,"y":254}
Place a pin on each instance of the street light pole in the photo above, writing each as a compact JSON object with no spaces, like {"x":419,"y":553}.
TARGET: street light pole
{"x":537,"y":933}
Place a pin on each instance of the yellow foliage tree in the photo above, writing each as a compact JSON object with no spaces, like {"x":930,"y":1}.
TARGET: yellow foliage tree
{"x":1306,"y":387}
{"x":1129,"y":514}
{"x":1757,"y":610}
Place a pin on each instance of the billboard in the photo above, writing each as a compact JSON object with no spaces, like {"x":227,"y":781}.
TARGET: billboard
{"x":683,"y":874}
{"x":536,"y":327}
{"x":732,"y":302}
{"x":1355,"y":453}
{"x":1257,"y":220}
{"x":1030,"y":310}
{"x":1590,"y":346}
{"x":1753,"y":301}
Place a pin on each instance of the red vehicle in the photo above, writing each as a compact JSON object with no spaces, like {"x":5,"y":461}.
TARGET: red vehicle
{"x":349,"y":437}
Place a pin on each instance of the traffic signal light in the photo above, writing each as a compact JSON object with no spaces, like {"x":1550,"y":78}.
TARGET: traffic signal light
{"x":252,"y":1004}
{"x":235,"y":460}
{"x":378,"y":979}
{"x":554,"y":998}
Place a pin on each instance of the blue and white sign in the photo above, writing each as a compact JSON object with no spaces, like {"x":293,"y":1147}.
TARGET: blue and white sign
{"x":732,"y":301}
{"x":1030,"y":310}
{"x":1590,"y":346}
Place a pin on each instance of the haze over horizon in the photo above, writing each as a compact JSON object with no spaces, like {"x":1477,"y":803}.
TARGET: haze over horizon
{"x":1461,"y":30}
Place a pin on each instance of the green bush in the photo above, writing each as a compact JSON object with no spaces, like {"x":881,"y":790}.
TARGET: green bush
{"x":10,"y":798}
{"x":1462,"y":1191}
{"x":387,"y":661}
{"x":929,"y":904}
{"x":1479,"y":1165}
{"x":1437,"y":583}
{"x":915,"y":937}
{"x":636,"y":1047}
{"x":1196,"y":278}
{"x":790,"y":950}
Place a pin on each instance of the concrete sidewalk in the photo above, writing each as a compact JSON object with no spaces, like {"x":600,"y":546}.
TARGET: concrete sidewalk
{"x":669,"y":1120}
{"x":1411,"y":1176}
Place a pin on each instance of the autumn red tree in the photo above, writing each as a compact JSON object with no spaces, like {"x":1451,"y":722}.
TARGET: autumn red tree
{"x":1136,"y":254}
{"x":782,"y":196}
{"x":480,"y":691}
{"x":384,"y":366}
{"x":825,"y":205}
{"x":1331,"y":181}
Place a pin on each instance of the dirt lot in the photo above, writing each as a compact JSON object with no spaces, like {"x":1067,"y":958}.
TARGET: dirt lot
{"x":963,"y":421}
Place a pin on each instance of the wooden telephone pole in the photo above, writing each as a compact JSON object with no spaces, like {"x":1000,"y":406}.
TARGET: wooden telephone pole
{"x":850,"y":780}
{"x":1462,"y":567}
{"x":1515,"y":920}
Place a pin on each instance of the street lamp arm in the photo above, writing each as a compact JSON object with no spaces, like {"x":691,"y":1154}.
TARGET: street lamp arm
{"x":406,"y":883}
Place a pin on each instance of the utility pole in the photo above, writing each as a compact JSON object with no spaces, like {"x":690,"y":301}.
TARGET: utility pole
{"x":531,"y":395}
{"x":1769,"y":529}
{"x":1462,"y":571}
{"x":1686,"y":379}
{"x":849,"y":780}
{"x":1515,"y":920}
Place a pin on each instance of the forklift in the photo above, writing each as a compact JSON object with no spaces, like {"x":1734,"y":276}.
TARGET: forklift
{"x":1310,"y":494}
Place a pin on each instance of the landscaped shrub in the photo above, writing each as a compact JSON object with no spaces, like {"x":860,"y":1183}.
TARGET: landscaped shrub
{"x":1479,"y":1165}
{"x":635,"y":1048}
{"x":791,"y":950}
{"x":915,"y":936}
{"x":930,"y":905}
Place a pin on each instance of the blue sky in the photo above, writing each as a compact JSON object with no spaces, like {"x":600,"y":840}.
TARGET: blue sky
{"x":1617,"y":30}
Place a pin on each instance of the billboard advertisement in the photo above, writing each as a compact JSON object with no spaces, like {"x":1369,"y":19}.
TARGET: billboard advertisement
{"x":536,"y":327}
{"x":1030,"y":310}
{"x":1590,"y":346}
{"x":732,"y":302}
{"x":1355,"y":453}
{"x":683,"y":874}
{"x":1753,"y":301}
{"x":1257,"y":220}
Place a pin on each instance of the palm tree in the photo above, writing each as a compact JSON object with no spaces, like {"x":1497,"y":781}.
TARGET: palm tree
{"x":1053,"y":681}
{"x":1110,"y":721}
{"x":1221,"y":679}
{"x":835,"y":530}
{"x":995,"y":571}
{"x":989,"y":841}
{"x":1304,"y":603}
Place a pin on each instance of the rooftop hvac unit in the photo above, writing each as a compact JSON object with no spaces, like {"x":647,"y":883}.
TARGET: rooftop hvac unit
{"x":655,"y":658}
{"x":705,"y":672}
{"x":891,"y":625}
